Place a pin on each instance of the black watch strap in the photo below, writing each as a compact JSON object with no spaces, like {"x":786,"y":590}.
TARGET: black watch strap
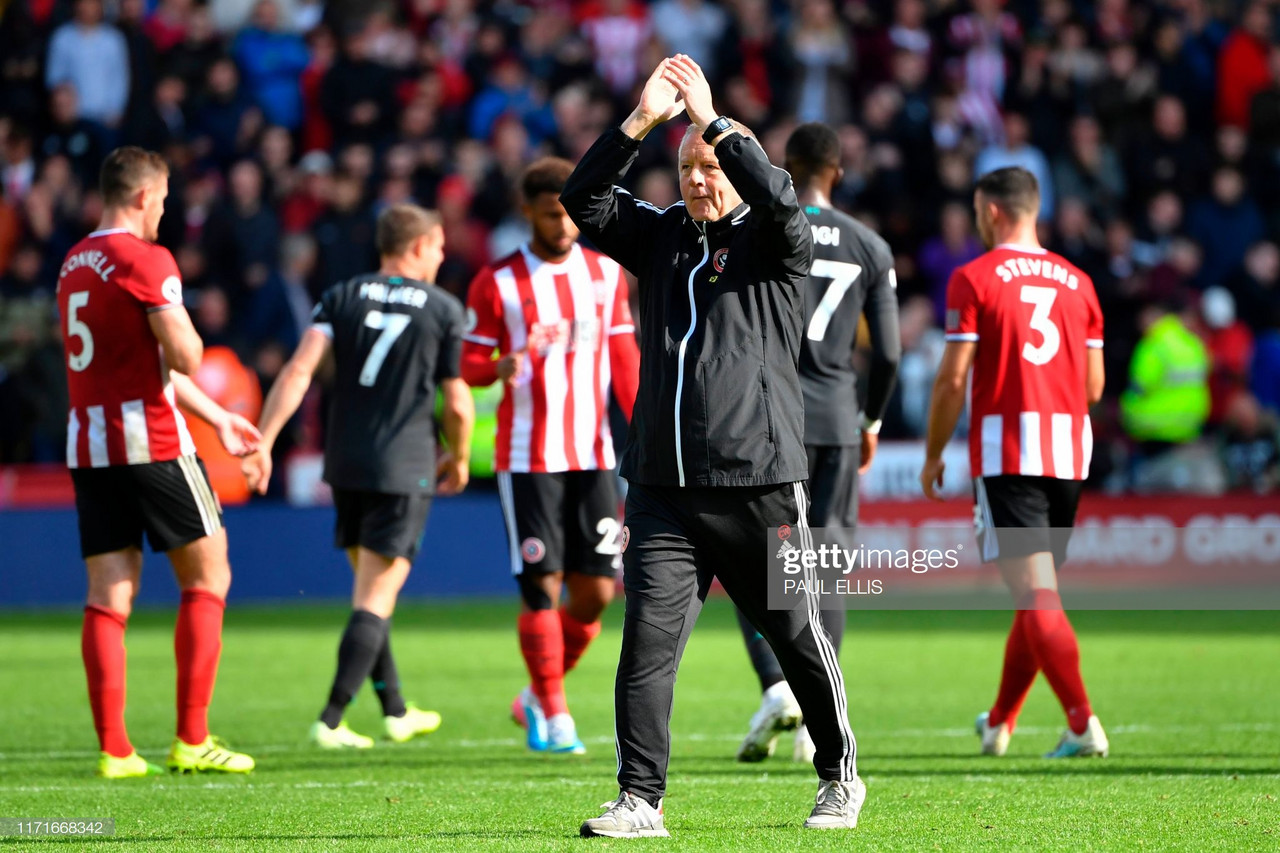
{"x":717,"y":127}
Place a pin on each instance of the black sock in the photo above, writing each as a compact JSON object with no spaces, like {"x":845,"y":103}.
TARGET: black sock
{"x":386,"y":681}
{"x":765,"y":662}
{"x":361,"y":641}
{"x":833,"y":621}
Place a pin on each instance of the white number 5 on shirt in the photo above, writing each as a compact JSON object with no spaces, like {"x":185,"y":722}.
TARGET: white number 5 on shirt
{"x":76,"y":328}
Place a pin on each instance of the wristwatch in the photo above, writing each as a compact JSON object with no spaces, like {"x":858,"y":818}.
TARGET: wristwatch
{"x":870,"y":426}
{"x":717,"y":127}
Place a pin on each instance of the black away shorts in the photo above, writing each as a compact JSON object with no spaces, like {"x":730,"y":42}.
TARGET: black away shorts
{"x":387,"y":524}
{"x":833,"y":485}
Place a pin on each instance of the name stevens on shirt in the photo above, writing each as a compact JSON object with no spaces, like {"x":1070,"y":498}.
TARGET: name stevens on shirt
{"x":401,"y":295}
{"x":1019,"y":267}
{"x":93,"y":259}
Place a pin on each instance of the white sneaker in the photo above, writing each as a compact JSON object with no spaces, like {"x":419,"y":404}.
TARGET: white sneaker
{"x":995,"y":739}
{"x":562,"y":736}
{"x":626,"y":817}
{"x":339,"y":738}
{"x":414,"y":722}
{"x":779,"y":712}
{"x":1092,"y":742}
{"x":837,"y":805}
{"x":804,"y":748}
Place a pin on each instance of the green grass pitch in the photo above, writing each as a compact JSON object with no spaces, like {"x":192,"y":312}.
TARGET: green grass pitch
{"x":1191,"y":701}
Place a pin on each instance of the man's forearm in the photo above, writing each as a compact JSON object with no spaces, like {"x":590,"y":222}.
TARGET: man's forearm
{"x":610,"y":218}
{"x":881,"y":379}
{"x":781,"y":232}
{"x":944,"y":412}
{"x":759,"y":182}
{"x":886,"y":346}
{"x":638,"y":124}
{"x":190,"y":397}
{"x":458,"y":424}
{"x":283,"y":400}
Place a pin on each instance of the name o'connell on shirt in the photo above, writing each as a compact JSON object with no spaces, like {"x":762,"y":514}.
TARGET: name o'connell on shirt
{"x":94,"y":259}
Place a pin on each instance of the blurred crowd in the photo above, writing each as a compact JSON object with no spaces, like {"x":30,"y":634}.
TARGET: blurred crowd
{"x":1154,"y":128}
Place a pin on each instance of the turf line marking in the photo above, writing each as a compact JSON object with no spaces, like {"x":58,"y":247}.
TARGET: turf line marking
{"x":694,"y":737}
{"x":240,"y":786}
{"x":692,"y":779}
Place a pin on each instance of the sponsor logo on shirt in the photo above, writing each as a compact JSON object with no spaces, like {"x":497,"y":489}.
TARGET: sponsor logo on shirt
{"x":567,"y":334}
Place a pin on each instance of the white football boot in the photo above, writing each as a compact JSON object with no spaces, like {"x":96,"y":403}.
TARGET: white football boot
{"x":804,"y":748}
{"x":779,"y":712}
{"x":1092,"y":743}
{"x":995,"y":739}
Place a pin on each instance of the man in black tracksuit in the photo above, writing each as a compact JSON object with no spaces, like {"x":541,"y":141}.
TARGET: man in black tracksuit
{"x":715,"y":455}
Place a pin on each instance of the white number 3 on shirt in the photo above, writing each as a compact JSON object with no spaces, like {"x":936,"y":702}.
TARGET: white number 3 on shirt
{"x":1042,"y":298}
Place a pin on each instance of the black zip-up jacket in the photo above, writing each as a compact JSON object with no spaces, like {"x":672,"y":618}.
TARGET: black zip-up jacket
{"x":721,"y":310}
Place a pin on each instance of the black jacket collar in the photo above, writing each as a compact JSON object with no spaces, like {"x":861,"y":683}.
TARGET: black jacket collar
{"x":721,"y":226}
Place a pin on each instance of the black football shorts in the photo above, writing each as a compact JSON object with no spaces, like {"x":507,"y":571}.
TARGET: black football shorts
{"x":171,"y":501}
{"x":833,"y":487}
{"x":562,"y":522}
{"x":387,"y":524}
{"x":1016,"y":515}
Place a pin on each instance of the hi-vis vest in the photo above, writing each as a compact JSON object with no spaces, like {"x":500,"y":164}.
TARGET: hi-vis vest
{"x":1168,"y":395}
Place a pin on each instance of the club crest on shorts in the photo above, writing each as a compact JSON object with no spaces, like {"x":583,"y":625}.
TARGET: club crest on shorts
{"x":626,"y":536}
{"x":720,"y":259}
{"x":533,"y":550}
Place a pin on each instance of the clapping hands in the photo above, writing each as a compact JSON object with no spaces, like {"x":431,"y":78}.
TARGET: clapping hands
{"x":676,"y":86}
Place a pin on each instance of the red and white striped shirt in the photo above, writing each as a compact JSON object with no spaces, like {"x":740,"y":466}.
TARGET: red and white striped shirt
{"x":555,"y":415}
{"x":123,"y":410}
{"x":1034,"y":316}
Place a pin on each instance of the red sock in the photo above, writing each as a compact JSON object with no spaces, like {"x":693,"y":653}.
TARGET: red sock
{"x":102,"y":647}
{"x":1051,"y":636}
{"x":542,"y":643}
{"x":197,"y":643}
{"x":577,"y":636}
{"x":1019,"y":673}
